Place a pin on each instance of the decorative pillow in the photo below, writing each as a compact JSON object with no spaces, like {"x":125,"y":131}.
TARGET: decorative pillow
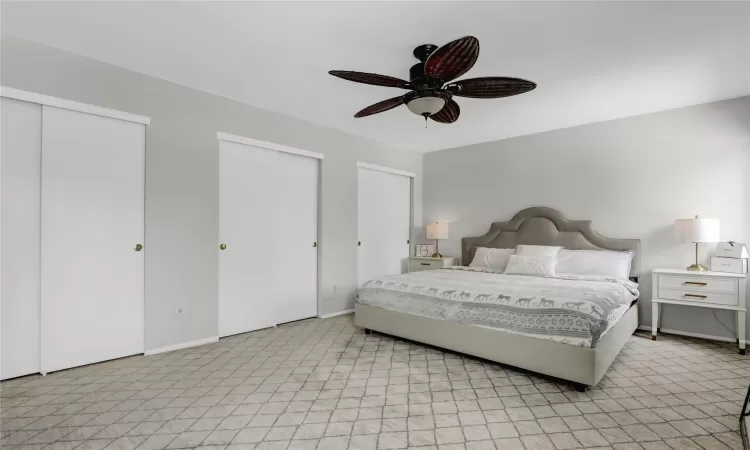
{"x":595,"y":263}
{"x":543,"y":266}
{"x":537,"y":250}
{"x":493,"y":258}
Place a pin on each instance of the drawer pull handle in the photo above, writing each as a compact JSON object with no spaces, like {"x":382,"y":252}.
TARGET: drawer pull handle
{"x":697,"y":283}
{"x":425,"y":264}
{"x":696,"y":296}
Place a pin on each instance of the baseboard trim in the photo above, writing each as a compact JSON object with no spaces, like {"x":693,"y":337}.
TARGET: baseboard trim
{"x":171,"y":348}
{"x":688,"y":334}
{"x":340,"y":313}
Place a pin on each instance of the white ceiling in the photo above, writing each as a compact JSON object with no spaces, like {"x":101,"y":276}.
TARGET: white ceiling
{"x":593,"y":61}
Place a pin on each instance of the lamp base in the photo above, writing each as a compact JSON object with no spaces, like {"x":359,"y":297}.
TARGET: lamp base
{"x":437,"y":255}
{"x":697,"y":268}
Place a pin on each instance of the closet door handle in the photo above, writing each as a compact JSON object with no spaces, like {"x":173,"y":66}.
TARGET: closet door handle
{"x":137,"y":247}
{"x":315,"y":244}
{"x":223,"y":246}
{"x":359,"y":243}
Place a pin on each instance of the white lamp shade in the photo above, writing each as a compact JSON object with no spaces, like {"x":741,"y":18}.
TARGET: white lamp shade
{"x":426,"y":105}
{"x":697,"y":229}
{"x":437,"y":231}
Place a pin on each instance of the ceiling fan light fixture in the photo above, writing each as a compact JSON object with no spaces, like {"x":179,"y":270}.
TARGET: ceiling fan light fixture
{"x":426,"y":106}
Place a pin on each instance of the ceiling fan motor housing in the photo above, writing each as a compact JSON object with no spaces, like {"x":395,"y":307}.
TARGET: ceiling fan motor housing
{"x":416,"y":72}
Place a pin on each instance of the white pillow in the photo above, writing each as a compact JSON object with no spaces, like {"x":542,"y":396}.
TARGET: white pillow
{"x":537,"y":250}
{"x":543,"y":266}
{"x":595,"y":262}
{"x":493,"y":258}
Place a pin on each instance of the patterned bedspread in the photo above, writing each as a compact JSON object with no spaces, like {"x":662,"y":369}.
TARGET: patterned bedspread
{"x":570,"y":309}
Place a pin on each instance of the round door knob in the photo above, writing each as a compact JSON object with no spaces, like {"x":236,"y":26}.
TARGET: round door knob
{"x":223,"y":246}
{"x":359,"y":243}
{"x":138,"y":247}
{"x":315,"y":244}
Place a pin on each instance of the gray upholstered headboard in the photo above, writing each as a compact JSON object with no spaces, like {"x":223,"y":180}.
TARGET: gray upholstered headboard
{"x":546,"y":226}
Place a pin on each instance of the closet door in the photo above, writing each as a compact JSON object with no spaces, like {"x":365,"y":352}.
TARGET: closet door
{"x":92,"y":223}
{"x":247,"y":208}
{"x":19,"y":280}
{"x":384,"y":217}
{"x":296,"y":255}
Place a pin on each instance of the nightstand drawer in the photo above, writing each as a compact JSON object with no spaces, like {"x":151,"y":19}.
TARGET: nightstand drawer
{"x":696,"y":284}
{"x":697,"y":296}
{"x":416,"y":265}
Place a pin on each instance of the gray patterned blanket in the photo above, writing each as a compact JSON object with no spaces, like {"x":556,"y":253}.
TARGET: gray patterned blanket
{"x":571,"y":309}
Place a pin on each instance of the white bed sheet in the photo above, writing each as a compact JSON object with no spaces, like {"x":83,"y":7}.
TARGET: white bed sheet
{"x":574,"y":310}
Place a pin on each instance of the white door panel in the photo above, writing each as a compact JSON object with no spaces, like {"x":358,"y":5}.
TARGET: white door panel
{"x":369,"y":205}
{"x":295,"y":257}
{"x":92,"y":217}
{"x":21,"y":185}
{"x":246,"y":204}
{"x":384,"y":217}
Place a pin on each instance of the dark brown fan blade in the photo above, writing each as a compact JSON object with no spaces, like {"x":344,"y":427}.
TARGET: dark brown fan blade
{"x":453,"y":59}
{"x":490,"y":87}
{"x":379,"y":107}
{"x":370,"y":78}
{"x":448,"y":114}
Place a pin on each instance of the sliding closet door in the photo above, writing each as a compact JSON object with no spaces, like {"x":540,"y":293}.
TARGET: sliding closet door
{"x":247,"y":206}
{"x":21,"y":184}
{"x":92,"y":227}
{"x":384,"y":206}
{"x":296,"y":256}
{"x":268,"y":225}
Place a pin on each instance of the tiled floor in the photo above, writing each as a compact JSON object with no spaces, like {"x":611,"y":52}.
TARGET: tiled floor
{"x":324,"y":384}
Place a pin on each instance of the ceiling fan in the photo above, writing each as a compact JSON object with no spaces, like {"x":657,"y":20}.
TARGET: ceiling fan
{"x":430,"y":96}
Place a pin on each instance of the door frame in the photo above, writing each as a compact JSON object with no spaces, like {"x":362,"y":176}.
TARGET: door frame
{"x":62,"y":103}
{"x":228,"y":137}
{"x":221,"y":136}
{"x":406,"y":173}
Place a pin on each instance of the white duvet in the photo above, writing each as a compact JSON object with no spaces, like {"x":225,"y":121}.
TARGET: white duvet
{"x":574,"y":310}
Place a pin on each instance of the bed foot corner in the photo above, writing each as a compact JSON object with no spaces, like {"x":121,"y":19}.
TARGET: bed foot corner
{"x":579,"y":387}
{"x":368,"y":331}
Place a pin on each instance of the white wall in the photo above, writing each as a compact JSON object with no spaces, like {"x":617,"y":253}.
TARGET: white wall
{"x":182,"y":180}
{"x":632,"y":177}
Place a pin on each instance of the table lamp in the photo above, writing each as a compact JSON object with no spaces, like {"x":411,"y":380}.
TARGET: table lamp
{"x":697,"y":230}
{"x":437,"y":231}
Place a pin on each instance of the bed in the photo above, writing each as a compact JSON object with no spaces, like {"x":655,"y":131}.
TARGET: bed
{"x":569,"y":327}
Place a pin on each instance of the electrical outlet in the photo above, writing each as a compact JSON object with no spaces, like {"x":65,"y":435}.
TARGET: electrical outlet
{"x":179,"y":311}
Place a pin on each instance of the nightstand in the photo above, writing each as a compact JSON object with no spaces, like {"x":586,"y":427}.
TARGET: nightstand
{"x":418,"y":264}
{"x":717,"y":290}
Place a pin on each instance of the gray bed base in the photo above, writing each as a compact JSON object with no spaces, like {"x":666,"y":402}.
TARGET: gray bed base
{"x":531,"y":226}
{"x":585,"y":366}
